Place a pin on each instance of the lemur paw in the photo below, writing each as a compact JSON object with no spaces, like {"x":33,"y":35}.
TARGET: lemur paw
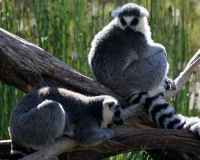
{"x":108,"y":134}
{"x":169,"y":84}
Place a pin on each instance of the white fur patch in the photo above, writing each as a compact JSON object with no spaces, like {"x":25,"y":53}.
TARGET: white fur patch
{"x":119,"y":24}
{"x":144,"y":12}
{"x":133,"y":97}
{"x":154,"y":103}
{"x":160,"y":89}
{"x":168,"y":110}
{"x":182,"y":120}
{"x":151,"y":94}
{"x":189,"y":121}
{"x":107,"y":117}
{"x":107,"y":112}
{"x":91,"y":54}
{"x":168,"y":120}
{"x":63,"y":115}
{"x":143,"y":27}
{"x":143,"y":98}
{"x":128,"y":19}
{"x":195,"y":128}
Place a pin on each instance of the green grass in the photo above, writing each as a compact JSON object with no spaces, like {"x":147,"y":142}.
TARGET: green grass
{"x":65,"y":28}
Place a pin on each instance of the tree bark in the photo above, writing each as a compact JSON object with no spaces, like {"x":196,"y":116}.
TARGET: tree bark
{"x":27,"y":67}
{"x":146,"y":139}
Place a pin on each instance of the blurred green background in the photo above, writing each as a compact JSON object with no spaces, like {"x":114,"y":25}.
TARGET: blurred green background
{"x":65,"y":28}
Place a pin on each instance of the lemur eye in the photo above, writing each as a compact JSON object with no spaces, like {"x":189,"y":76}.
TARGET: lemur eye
{"x":110,"y":104}
{"x":117,"y":113}
{"x":134,"y":22}
{"x":123,"y":22}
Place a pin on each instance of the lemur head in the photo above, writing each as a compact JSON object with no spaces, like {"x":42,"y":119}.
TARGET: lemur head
{"x":111,"y":112}
{"x":133,"y":18}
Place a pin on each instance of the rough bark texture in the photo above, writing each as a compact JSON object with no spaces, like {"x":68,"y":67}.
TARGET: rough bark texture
{"x":26,"y":67}
{"x":148,"y":139}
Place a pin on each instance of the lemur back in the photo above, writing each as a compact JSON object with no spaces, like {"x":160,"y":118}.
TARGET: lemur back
{"x":46,"y":114}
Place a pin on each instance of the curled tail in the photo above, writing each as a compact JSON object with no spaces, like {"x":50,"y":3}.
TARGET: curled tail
{"x":163,"y":114}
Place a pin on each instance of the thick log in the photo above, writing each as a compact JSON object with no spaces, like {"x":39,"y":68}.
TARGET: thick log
{"x":26,"y":67}
{"x":139,"y":140}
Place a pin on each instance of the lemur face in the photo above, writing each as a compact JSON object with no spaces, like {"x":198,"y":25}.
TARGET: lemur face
{"x":112,"y":112}
{"x":132,"y":17}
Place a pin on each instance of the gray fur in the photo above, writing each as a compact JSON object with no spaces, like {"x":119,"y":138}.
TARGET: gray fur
{"x":48,"y":113}
{"x":127,"y":62}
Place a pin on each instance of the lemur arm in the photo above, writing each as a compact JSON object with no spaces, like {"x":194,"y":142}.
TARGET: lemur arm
{"x":149,"y":50}
{"x":153,"y":48}
{"x":130,"y":59}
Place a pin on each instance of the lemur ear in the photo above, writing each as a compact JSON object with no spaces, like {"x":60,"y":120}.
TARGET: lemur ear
{"x":115,"y":13}
{"x":144,"y":12}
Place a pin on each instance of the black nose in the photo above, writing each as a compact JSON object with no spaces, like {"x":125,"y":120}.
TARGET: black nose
{"x":129,"y":30}
{"x":118,"y":122}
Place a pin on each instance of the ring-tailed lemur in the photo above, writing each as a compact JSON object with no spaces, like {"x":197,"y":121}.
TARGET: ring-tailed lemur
{"x":163,"y":114}
{"x":49,"y":113}
{"x":124,"y":58}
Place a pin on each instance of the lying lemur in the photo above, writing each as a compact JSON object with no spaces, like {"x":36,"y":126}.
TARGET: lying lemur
{"x":122,"y":57}
{"x":49,"y":113}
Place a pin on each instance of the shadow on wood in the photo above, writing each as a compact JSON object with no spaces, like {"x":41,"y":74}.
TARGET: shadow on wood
{"x":27,"y":67}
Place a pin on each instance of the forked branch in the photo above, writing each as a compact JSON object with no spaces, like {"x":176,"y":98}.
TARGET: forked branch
{"x":26,"y":67}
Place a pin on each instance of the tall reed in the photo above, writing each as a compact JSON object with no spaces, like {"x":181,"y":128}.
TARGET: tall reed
{"x":66,"y":28}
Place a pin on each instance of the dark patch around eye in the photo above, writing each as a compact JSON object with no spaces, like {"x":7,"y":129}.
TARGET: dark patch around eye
{"x":134,"y":22}
{"x":110,"y":104}
{"x":123,"y":22}
{"x":117,"y":114}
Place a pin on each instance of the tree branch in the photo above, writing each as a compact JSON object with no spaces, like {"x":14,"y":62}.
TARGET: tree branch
{"x":139,"y":140}
{"x":184,"y":76}
{"x":26,"y":67}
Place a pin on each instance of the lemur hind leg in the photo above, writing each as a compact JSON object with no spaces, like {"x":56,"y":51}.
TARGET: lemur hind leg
{"x":41,"y":125}
{"x":169,"y":84}
{"x":92,"y":136}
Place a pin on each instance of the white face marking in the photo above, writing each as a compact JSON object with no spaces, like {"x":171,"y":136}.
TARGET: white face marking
{"x":108,"y":112}
{"x":128,"y":19}
{"x":142,"y":26}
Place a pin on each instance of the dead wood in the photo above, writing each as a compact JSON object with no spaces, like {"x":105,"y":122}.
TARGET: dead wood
{"x":27,"y":67}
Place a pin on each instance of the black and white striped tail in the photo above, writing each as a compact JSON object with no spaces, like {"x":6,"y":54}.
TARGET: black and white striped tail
{"x":163,"y":114}
{"x":18,"y":151}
